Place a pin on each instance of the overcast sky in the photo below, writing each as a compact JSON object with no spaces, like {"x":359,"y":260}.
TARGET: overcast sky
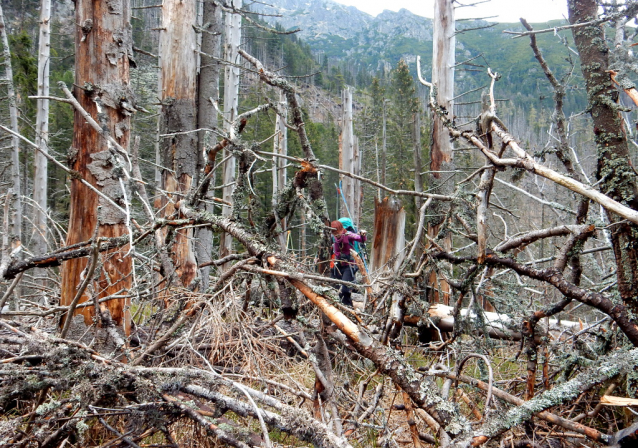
{"x":506,"y":10}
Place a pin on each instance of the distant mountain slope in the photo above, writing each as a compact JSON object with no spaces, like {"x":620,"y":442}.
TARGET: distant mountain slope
{"x":377,"y":43}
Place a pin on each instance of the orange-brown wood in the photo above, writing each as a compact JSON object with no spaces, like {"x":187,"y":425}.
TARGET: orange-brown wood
{"x":103,"y":44}
{"x":389,"y":237}
{"x":178,"y":67}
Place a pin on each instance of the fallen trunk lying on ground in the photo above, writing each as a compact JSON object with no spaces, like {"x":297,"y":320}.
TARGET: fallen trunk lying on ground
{"x":498,"y":326}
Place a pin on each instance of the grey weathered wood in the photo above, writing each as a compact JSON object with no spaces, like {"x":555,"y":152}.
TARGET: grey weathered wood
{"x":279,"y":176}
{"x":349,"y":159}
{"x":178,"y":152}
{"x":42,"y":134}
{"x":16,"y":219}
{"x":231,"y":100}
{"x":208,"y":88}
{"x":443,"y":60}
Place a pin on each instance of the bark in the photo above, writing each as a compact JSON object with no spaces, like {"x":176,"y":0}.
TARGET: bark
{"x":40,"y":181}
{"x":90,"y":380}
{"x":16,"y":219}
{"x":409,"y":412}
{"x":525,"y":161}
{"x":102,"y":50}
{"x":389,"y":235}
{"x":384,"y":142}
{"x":53,"y":259}
{"x":545,"y":415}
{"x":618,"y":179}
{"x":486,"y":184}
{"x":178,"y":152}
{"x":231,"y":101}
{"x":207,"y":90}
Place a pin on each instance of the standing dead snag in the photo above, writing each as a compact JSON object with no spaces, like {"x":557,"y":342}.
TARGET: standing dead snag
{"x":350,"y":161}
{"x":443,"y":62}
{"x":443,"y":57}
{"x":207,"y":89}
{"x":231,"y":101}
{"x":178,"y":149}
{"x":103,"y":47}
{"x":40,"y":180}
{"x":16,"y":221}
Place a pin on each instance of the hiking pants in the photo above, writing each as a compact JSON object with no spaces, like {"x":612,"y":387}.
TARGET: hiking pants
{"x":344,"y":271}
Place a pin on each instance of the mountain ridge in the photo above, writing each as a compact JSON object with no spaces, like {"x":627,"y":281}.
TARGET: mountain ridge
{"x":375,"y":44}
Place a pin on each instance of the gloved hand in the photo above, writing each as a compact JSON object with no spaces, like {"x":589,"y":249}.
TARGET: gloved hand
{"x":363,"y":232}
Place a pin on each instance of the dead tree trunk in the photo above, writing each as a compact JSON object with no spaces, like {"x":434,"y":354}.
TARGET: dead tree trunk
{"x":384,"y":142}
{"x":231,"y":100}
{"x":617,"y":177}
{"x":349,"y":159}
{"x":443,"y":59}
{"x":42,"y":134}
{"x":279,"y":177}
{"x":418,"y":159}
{"x":443,"y":78}
{"x":16,"y":220}
{"x":178,"y":150}
{"x":208,"y":88}
{"x":103,"y":46}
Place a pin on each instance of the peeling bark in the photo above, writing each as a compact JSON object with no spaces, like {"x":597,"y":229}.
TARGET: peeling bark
{"x":102,"y":50}
{"x":178,"y":152}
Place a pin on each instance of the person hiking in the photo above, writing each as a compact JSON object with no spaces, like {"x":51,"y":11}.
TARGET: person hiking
{"x":344,"y":266}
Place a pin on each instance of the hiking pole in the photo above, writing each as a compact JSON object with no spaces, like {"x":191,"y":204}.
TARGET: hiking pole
{"x":340,"y":190}
{"x":364,"y":251}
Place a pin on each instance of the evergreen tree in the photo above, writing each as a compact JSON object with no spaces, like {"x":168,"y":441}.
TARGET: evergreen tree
{"x":400,"y":160}
{"x":403,"y":104}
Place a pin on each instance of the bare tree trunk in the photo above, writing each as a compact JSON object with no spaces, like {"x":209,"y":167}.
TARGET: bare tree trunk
{"x":208,"y":88}
{"x":349,"y":160}
{"x":384,"y":155}
{"x":102,"y":49}
{"x":443,"y":60}
{"x":16,"y":220}
{"x":231,"y":100}
{"x":418,"y":160}
{"x":357,"y":202}
{"x":279,"y":177}
{"x":178,"y":152}
{"x":40,"y":181}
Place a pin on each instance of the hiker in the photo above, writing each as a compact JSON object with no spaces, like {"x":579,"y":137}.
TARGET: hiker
{"x":344,"y":266}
